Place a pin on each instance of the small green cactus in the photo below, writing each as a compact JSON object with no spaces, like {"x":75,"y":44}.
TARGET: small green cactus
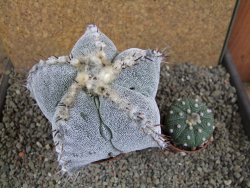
{"x":190,"y":124}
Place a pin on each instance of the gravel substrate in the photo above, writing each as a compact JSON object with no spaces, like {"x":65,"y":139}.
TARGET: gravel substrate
{"x":27,"y":157}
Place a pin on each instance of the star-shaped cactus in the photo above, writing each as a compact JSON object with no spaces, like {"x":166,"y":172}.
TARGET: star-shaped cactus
{"x":101,"y":103}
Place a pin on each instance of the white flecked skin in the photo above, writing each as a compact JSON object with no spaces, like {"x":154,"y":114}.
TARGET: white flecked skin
{"x":95,"y":126}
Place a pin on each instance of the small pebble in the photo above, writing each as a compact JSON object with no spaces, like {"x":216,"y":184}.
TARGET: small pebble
{"x":227,"y":182}
{"x":39,"y":144}
{"x":18,"y":145}
{"x":248,"y":183}
{"x":47,"y":146}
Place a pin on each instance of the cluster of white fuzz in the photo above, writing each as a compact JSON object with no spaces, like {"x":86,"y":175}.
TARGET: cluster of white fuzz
{"x":95,"y":75}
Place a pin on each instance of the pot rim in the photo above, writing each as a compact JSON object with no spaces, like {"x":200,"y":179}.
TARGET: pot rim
{"x":108,"y":159}
{"x":176,"y":149}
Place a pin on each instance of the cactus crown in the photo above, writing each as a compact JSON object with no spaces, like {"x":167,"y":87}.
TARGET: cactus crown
{"x":190,"y":123}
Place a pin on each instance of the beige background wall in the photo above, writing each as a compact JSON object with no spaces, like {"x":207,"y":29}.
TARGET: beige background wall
{"x":195,"y":29}
{"x":2,"y":57}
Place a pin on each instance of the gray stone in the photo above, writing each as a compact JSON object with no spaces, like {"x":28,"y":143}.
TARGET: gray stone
{"x":18,"y":145}
{"x":227,"y":182}
{"x":237,"y":175}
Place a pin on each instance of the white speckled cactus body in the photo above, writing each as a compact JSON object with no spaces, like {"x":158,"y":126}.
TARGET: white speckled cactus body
{"x":101,"y":103}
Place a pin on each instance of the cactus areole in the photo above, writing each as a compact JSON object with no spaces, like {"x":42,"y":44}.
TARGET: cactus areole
{"x":190,"y":124}
{"x":100,"y":103}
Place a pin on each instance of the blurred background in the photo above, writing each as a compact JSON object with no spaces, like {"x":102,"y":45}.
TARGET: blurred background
{"x":194,"y":30}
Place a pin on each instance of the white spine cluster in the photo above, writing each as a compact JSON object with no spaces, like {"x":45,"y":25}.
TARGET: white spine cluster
{"x":95,"y":74}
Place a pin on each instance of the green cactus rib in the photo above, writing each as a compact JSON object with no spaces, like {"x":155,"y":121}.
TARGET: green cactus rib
{"x":190,"y":123}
